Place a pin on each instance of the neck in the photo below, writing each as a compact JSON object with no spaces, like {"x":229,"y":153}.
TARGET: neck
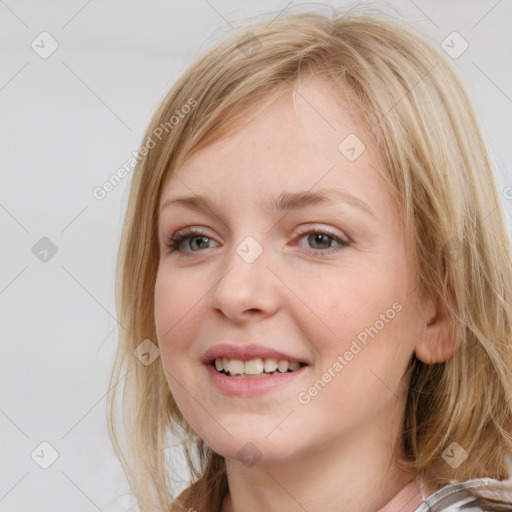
{"x":352,"y":474}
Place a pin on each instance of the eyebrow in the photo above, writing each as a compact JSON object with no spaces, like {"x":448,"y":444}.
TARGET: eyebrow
{"x":284,"y":202}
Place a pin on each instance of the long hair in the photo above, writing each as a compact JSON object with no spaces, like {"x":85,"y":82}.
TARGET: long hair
{"x":423,"y":125}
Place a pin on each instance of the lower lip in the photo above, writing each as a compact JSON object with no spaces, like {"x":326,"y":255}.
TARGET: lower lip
{"x":250,"y":386}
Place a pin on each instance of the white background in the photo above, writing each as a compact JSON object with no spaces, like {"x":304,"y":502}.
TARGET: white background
{"x":68,"y":123}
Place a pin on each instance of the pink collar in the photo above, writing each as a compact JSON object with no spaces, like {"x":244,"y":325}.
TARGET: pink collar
{"x":406,"y":500}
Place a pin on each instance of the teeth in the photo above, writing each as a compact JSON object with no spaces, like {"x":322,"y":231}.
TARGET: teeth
{"x":282,"y":366}
{"x":235,"y":366}
{"x":253,"y":367}
{"x":256,"y":366}
{"x":270,"y":365}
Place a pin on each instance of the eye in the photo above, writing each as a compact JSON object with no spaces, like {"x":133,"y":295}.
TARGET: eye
{"x":320,"y":240}
{"x":190,"y":234}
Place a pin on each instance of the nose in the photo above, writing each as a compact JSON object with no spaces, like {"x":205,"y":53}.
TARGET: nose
{"x":245,"y":288}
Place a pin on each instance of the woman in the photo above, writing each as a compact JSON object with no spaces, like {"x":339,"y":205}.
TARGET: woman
{"x":316,"y":244}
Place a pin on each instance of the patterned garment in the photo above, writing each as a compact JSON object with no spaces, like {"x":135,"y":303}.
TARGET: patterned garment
{"x":478,"y":495}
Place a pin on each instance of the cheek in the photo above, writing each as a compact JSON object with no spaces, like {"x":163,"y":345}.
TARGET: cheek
{"x":346,"y":300}
{"x":176,"y":311}
{"x":364,"y":366}
{"x":175,"y":307}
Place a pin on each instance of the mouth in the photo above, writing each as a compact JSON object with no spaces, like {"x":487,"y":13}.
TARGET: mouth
{"x":255,"y":368}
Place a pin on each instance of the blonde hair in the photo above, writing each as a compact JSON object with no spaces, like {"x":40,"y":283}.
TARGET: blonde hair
{"x":423,"y":126}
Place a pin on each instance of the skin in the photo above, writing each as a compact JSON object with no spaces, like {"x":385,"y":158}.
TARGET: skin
{"x":305,"y":296}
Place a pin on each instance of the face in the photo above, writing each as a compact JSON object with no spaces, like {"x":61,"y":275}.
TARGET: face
{"x":325,"y":281}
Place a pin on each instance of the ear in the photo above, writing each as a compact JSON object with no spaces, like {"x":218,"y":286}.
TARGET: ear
{"x":436,"y":342}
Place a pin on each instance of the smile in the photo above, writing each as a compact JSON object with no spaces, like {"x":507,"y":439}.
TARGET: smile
{"x":243,"y":384}
{"x":258,"y":367}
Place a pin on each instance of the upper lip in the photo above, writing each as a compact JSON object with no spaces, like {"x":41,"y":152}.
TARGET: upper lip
{"x":246,"y":352}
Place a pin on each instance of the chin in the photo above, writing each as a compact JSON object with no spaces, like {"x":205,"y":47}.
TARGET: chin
{"x":255,"y":451}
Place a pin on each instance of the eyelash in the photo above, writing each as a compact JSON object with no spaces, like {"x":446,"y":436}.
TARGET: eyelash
{"x":173,"y":242}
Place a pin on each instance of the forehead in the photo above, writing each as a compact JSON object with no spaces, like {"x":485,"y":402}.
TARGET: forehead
{"x":307,"y":140}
